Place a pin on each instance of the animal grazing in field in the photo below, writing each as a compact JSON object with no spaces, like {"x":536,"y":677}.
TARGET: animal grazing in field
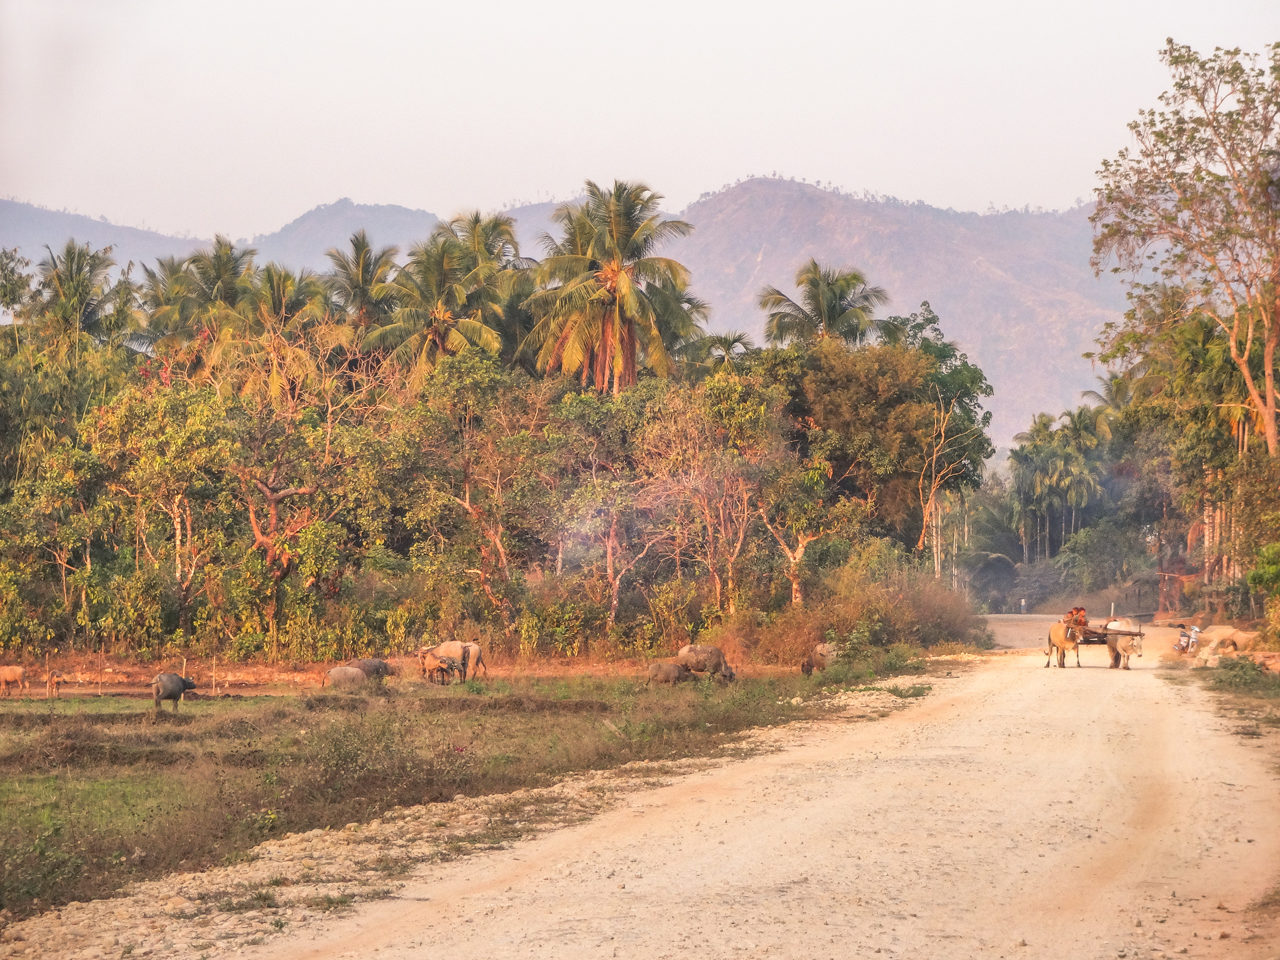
{"x":14,"y":676}
{"x":429,"y":658}
{"x":51,"y":684}
{"x":475,"y":657}
{"x":170,"y":686}
{"x":373,"y":669}
{"x":663,"y":672}
{"x":1121,"y":648}
{"x":704,"y":658}
{"x":819,"y":658}
{"x":448,"y":669}
{"x":1063,"y":637}
{"x":345,"y":677}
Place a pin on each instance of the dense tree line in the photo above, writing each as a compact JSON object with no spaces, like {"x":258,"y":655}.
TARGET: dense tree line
{"x":1172,"y":465}
{"x":228,"y":457}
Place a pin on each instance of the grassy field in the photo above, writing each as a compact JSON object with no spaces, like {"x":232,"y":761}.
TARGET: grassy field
{"x":99,"y":791}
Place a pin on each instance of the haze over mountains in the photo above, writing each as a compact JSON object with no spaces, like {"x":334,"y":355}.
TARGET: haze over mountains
{"x":1013,"y":288}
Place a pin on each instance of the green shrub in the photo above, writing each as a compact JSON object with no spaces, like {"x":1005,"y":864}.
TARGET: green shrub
{"x":1246,"y":675}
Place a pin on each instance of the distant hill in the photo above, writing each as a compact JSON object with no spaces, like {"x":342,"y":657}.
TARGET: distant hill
{"x":1014,"y":289}
{"x":31,"y":229}
{"x":303,"y":242}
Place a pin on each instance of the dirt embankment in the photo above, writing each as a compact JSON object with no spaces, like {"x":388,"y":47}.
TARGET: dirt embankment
{"x":1015,"y":812}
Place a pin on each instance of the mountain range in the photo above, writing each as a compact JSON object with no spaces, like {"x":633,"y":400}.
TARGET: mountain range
{"x":1013,"y":288}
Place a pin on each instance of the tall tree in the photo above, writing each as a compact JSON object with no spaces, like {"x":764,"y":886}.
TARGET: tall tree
{"x":833,"y":303}
{"x":440,"y":308}
{"x":75,"y":298}
{"x":607,"y":296}
{"x":1194,"y":202}
{"x":356,"y":275}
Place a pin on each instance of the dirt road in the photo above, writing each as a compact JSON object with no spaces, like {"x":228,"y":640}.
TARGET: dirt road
{"x":1015,"y":812}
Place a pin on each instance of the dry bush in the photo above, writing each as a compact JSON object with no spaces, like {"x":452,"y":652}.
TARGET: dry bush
{"x":928,"y":613}
{"x":738,"y":637}
{"x":789,"y":637}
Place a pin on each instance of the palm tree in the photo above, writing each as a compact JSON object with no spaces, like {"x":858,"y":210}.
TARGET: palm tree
{"x":221,"y":275}
{"x":354,"y":277}
{"x":73,"y":298}
{"x":497,"y":277}
{"x":1033,"y":467}
{"x":437,"y":314}
{"x":169,"y":305}
{"x":288,"y":337}
{"x":724,"y":351}
{"x":833,"y":303}
{"x":606,"y":298}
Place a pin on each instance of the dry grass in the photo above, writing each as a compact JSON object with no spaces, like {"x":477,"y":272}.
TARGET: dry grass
{"x":103,"y":791}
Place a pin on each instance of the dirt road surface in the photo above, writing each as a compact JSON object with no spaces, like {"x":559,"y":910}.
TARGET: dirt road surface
{"x":1016,"y":812}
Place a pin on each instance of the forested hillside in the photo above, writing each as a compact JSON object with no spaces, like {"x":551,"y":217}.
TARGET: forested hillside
{"x":1014,"y":289}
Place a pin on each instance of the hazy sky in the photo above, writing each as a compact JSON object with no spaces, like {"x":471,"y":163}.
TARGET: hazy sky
{"x":240,"y":115}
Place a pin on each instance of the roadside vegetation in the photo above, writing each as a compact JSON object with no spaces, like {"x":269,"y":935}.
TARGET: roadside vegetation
{"x":101,"y":791}
{"x":1161,"y":491}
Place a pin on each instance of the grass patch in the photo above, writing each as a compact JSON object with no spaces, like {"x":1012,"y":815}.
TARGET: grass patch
{"x":98,"y":792}
{"x":331,"y":902}
{"x":258,"y":900}
{"x":912,"y":692}
{"x":1245,"y":675}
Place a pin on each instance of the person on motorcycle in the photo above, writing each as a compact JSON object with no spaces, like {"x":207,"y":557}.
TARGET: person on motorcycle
{"x":1187,"y":641}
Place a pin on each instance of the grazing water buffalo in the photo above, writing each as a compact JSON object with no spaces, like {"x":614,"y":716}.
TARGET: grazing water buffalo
{"x":819,"y":658}
{"x":1121,"y":648}
{"x":448,"y":669}
{"x":373,"y":669}
{"x":345,"y":677}
{"x":475,"y":658}
{"x":1062,"y":638}
{"x":663,"y":672}
{"x":15,"y":676}
{"x":468,"y":655}
{"x":704,"y":658}
{"x":170,"y":686}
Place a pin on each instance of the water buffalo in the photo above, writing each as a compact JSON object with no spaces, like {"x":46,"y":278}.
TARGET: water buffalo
{"x":1062,"y":638}
{"x":447,"y":669}
{"x":373,"y":669}
{"x":170,"y":686}
{"x":345,"y":677}
{"x":14,"y":676}
{"x":1121,"y":648}
{"x":430,"y":658}
{"x":819,"y":658}
{"x":704,"y":658}
{"x":475,"y":657}
{"x":662,"y":672}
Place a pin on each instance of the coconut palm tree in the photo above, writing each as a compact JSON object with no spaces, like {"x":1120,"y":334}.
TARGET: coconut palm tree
{"x":724,"y":351}
{"x":496,"y":275}
{"x":288,"y":337}
{"x":73,"y":299}
{"x":221,"y":275}
{"x":833,"y":303}
{"x":606,"y":296}
{"x":436,"y":314}
{"x":169,"y":306}
{"x":354,"y":276}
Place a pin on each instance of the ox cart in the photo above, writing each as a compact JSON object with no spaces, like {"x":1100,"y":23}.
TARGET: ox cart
{"x":1092,"y":634}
